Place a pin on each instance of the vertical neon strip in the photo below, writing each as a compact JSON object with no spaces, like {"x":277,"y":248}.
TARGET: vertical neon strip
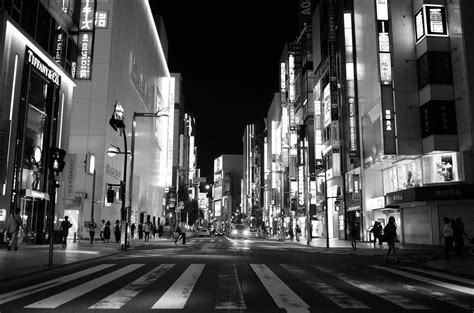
{"x":12,"y":101}
{"x":61,"y":120}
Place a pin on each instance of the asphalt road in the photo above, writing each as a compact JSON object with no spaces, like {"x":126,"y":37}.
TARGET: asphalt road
{"x":218,"y":274}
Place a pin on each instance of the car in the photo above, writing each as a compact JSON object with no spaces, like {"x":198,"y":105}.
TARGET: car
{"x":240,"y":231}
{"x":203,"y":232}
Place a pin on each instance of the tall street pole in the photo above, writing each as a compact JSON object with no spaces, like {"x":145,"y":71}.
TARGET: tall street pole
{"x":123,"y":236}
{"x":326,"y":200}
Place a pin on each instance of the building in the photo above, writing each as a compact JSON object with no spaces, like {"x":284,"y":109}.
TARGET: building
{"x":38,"y":54}
{"x":226,"y":189}
{"x":127,"y":69}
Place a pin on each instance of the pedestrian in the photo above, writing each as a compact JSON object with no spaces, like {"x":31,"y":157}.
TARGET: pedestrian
{"x":14,"y":224}
{"x":390,"y":231}
{"x":290,"y":232}
{"x":377,"y":232}
{"x":458,"y":234}
{"x":298,"y":232}
{"x":92,"y":228}
{"x":64,"y":230}
{"x":102,"y":230}
{"x":107,"y":232}
{"x":180,"y":229}
{"x":140,"y":231}
{"x":154,"y":230}
{"x":353,"y":235}
{"x":160,"y":231}
{"x":117,"y":231}
{"x":147,"y":229}
{"x":448,"y":237}
{"x":132,"y":230}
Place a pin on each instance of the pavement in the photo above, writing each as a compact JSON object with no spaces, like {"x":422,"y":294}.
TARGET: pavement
{"x":29,"y":259}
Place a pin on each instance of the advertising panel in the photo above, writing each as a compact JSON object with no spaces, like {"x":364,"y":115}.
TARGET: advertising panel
{"x":327,"y":106}
{"x":86,"y":39}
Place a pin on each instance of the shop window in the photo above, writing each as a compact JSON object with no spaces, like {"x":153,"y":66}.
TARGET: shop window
{"x":405,"y":175}
{"x":442,"y":168}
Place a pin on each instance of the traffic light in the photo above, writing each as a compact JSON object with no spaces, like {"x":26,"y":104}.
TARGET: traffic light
{"x":110,"y":195}
{"x":55,"y":184}
{"x":56,"y":159}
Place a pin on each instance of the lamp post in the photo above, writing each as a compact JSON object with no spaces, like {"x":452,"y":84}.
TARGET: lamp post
{"x":132,"y":151}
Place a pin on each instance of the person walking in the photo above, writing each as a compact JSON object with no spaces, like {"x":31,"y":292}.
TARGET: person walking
{"x":147,"y":230}
{"x":92,"y":228}
{"x":102,"y":230}
{"x":353,"y":235}
{"x":14,"y":224}
{"x":140,"y":231}
{"x":298,"y":232}
{"x":181,"y":234}
{"x":107,"y":232}
{"x":160,"y":231}
{"x":132,"y":230}
{"x":448,"y":237}
{"x":458,"y":235}
{"x":117,"y":231}
{"x":64,"y":230}
{"x":390,"y":231}
{"x":377,"y":232}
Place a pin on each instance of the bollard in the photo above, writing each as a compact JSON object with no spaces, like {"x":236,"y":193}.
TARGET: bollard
{"x":74,"y":237}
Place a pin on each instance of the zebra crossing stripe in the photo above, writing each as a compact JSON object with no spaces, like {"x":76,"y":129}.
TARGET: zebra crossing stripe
{"x":375,"y":290}
{"x":70,"y":294}
{"x":340,"y":298}
{"x":124,"y":295}
{"x":431,"y":281}
{"x":441,"y":275}
{"x":10,"y":296}
{"x":229,"y":293}
{"x":282,"y":295}
{"x":177,"y":295}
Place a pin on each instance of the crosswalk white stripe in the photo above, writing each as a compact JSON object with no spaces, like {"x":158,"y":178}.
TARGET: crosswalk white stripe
{"x":282,"y":295}
{"x":340,"y":298}
{"x":70,"y":294}
{"x":124,"y":295}
{"x":440,"y":296}
{"x":23,"y":292}
{"x":177,"y":295}
{"x":441,"y":275}
{"x":229,"y":293}
{"x":431,"y":281}
{"x":376,"y":290}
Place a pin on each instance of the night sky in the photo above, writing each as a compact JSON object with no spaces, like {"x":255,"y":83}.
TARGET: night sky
{"x":228,"y":55}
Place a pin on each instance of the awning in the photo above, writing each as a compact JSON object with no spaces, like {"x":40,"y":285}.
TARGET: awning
{"x":35,"y":194}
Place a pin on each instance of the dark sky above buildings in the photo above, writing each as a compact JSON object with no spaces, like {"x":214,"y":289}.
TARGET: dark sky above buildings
{"x":228,"y":55}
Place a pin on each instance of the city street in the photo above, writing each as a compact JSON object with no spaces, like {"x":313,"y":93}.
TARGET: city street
{"x":220,"y":274}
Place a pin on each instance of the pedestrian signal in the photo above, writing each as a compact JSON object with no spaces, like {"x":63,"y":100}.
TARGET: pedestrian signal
{"x":56,"y":159}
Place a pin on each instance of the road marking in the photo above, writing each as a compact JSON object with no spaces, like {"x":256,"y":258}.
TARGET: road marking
{"x":9,"y":296}
{"x":177,"y":295}
{"x":441,"y":275}
{"x":70,"y":294}
{"x":376,"y":290}
{"x":124,"y":295}
{"x":340,"y":298}
{"x":440,"y":296}
{"x":282,"y":295}
{"x":229,"y":293}
{"x":431,"y":281}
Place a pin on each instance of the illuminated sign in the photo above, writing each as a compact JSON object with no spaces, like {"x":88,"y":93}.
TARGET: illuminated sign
{"x":283,"y":81}
{"x":291,"y":74}
{"x":355,"y":186}
{"x":85,"y":55}
{"x":327,"y":106}
{"x":41,"y":66}
{"x":430,"y":20}
{"x":382,"y":9}
{"x":350,"y":85}
{"x":217,"y":208}
{"x":335,"y":136}
{"x":385,"y":68}
{"x":86,"y":17}
{"x":384,"y":41}
{"x":86,"y":39}
{"x":101,"y":19}
{"x":59,"y":47}
{"x":301,"y":185}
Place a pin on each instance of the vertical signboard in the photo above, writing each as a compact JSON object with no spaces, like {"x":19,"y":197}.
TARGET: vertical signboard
{"x":4,"y":132}
{"x":85,"y":39}
{"x":291,"y":77}
{"x":283,"y":82}
{"x":333,"y":89}
{"x":385,"y":72}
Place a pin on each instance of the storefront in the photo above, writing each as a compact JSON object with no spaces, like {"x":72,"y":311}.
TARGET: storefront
{"x":38,"y":94}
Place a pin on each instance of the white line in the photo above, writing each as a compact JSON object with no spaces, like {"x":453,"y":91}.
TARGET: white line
{"x":229,"y":293}
{"x":376,"y":290}
{"x":340,"y":298}
{"x":177,"y":295}
{"x":70,"y":294}
{"x":282,"y":295}
{"x":447,"y":276}
{"x":9,"y":296}
{"x":463,"y":289}
{"x":119,"y":298}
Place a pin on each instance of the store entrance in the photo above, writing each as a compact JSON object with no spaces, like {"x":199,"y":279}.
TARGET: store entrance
{"x":34,"y":219}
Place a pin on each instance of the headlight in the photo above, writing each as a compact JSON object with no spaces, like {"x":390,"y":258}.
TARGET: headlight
{"x":246,"y":232}
{"x":234,"y":232}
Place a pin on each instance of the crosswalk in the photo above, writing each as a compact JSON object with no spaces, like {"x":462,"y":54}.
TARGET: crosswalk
{"x":285,"y":287}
